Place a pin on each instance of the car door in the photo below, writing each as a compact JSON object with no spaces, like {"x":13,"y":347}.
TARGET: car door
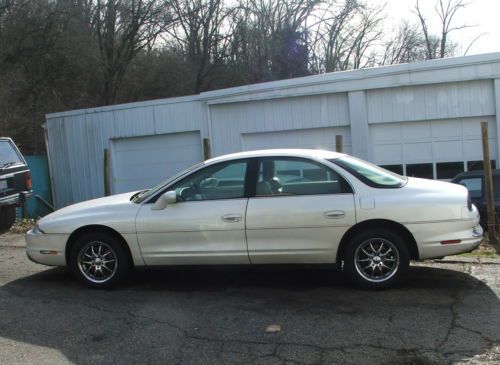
{"x":207,"y":223}
{"x":300,"y":212}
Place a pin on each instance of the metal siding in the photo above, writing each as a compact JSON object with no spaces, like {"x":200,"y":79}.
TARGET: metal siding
{"x":315,"y":138}
{"x":430,"y":141}
{"x":77,"y":141}
{"x":230,"y":121}
{"x":441,"y":101}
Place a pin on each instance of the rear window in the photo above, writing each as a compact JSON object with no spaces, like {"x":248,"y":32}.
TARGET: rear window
{"x":8,"y":154}
{"x":370,"y":174}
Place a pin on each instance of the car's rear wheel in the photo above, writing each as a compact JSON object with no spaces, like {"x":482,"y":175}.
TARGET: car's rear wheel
{"x":376,"y":259}
{"x":99,"y":260}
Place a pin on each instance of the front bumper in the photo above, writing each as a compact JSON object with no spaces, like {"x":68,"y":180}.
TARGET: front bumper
{"x":46,"y":248}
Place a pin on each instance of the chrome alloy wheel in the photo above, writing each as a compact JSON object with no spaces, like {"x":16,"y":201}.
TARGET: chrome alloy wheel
{"x":376,"y":259}
{"x":97,"y":262}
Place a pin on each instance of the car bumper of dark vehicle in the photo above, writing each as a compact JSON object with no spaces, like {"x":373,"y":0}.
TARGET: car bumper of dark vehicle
{"x":13,"y":199}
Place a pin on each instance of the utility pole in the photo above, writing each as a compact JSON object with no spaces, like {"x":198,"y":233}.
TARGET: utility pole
{"x":488,"y":179}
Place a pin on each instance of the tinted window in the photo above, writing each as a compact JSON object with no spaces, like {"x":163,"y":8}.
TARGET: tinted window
{"x":423,"y":170}
{"x":496,"y":187}
{"x":474,"y":185}
{"x":478,"y":165}
{"x":221,"y":181}
{"x":448,"y":170}
{"x":370,"y":174}
{"x":8,"y":154}
{"x":397,"y":169}
{"x":290,"y":176}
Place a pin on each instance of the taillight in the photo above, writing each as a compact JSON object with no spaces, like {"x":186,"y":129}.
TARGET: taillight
{"x":469,"y":202}
{"x":28,"y":181}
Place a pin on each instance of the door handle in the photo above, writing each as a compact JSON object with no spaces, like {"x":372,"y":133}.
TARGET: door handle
{"x":334,"y":214}
{"x":231,"y":218}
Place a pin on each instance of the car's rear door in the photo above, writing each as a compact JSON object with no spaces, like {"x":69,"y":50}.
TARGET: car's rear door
{"x":300,"y":212}
{"x":206,"y":225}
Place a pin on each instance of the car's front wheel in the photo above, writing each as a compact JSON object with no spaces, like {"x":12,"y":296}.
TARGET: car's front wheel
{"x":99,"y":260}
{"x":376,"y":259}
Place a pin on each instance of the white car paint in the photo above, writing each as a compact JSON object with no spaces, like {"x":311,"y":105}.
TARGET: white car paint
{"x":277,"y":229}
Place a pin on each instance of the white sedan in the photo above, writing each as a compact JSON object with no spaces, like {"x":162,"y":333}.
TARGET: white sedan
{"x":265,"y":207}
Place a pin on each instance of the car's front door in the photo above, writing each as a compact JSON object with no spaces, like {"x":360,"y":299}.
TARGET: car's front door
{"x":300,"y":212}
{"x":205,"y":226}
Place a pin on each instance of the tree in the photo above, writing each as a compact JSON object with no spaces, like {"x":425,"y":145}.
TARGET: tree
{"x":202,"y":33}
{"x":440,"y":46}
{"x":122,"y":29}
{"x":405,"y":46}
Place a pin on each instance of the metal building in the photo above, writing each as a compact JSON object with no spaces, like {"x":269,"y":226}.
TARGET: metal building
{"x":419,"y":119}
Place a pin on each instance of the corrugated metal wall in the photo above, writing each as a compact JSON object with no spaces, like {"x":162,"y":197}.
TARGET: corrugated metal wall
{"x":230,"y":121}
{"x":76,"y":142}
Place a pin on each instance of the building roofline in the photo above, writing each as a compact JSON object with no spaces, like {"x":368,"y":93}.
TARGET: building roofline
{"x":223,"y":95}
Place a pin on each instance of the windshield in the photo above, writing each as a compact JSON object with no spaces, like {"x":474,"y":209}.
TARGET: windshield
{"x":8,"y":154}
{"x":145,"y":194}
{"x":370,"y":174}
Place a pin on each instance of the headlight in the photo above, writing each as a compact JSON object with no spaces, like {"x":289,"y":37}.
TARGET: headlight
{"x":37,"y":230}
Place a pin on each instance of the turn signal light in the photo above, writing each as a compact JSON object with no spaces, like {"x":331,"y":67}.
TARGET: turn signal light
{"x":28,"y":181}
{"x":450,"y":242}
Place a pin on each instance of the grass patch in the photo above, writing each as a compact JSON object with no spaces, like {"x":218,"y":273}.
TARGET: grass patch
{"x":22,"y":225}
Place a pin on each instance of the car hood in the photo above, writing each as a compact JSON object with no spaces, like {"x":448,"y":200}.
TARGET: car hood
{"x":112,"y":211}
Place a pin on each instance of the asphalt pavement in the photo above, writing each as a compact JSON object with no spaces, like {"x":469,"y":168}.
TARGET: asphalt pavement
{"x":447,"y":312}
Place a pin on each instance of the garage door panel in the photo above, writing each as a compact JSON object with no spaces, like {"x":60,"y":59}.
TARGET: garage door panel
{"x":143,"y":162}
{"x":315,"y":138}
{"x":452,"y":140}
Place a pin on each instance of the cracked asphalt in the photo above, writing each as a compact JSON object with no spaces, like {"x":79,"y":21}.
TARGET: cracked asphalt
{"x":447,"y":312}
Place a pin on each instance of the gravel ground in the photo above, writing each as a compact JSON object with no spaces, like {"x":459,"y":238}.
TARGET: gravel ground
{"x":447,"y":312}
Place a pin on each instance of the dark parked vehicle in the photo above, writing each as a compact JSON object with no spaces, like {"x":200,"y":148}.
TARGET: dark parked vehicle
{"x":474,"y":182}
{"x":15,"y":179}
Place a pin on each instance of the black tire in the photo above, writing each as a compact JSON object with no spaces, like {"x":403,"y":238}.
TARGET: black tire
{"x":99,"y":271}
{"x":7,"y":216}
{"x":380,"y":266}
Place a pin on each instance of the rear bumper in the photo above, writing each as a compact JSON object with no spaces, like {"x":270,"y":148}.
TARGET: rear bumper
{"x":13,"y":199}
{"x":446,"y":239}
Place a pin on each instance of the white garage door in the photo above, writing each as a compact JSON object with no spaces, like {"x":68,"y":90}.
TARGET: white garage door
{"x":435,"y":149}
{"x":143,"y":162}
{"x":316,"y":138}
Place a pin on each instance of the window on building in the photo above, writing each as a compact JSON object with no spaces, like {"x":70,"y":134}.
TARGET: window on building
{"x":478,"y":165}
{"x":448,"y":170}
{"x":398,"y":169}
{"x":423,"y":170}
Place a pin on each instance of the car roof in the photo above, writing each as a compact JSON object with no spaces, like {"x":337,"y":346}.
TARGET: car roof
{"x":476,"y":173}
{"x":296,"y":152}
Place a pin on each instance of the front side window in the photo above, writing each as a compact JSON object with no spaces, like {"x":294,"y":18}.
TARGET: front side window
{"x":292,"y":176}
{"x":221,"y":181}
{"x":474,"y":185}
{"x":370,"y":174}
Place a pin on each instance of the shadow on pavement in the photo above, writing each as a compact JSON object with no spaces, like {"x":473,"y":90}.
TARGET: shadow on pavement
{"x":219,"y":315}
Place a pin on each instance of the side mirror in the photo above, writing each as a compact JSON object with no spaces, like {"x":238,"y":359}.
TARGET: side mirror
{"x":169,"y":197}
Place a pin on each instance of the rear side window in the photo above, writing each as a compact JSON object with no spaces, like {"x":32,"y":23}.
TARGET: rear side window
{"x":294,"y":176}
{"x":370,"y":174}
{"x":8,"y":154}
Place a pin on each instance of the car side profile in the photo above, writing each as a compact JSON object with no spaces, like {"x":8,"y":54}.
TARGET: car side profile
{"x":265,"y":207}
